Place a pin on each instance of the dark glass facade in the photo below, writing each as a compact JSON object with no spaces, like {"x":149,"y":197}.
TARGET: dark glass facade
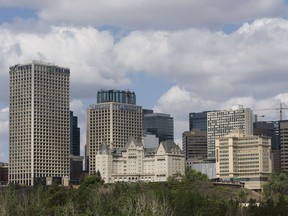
{"x":118,"y":96}
{"x":268,"y":128}
{"x":3,"y":173}
{"x":159,"y":124}
{"x":74,"y":135}
{"x":198,"y":120}
{"x":271,"y":129}
{"x":194,"y":144}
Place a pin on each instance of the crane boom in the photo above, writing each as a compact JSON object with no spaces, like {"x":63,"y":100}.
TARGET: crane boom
{"x":280,"y":108}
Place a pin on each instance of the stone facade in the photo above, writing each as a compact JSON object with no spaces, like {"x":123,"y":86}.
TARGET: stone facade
{"x":134,"y":163}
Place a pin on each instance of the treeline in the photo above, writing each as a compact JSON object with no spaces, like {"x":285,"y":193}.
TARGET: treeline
{"x":193,"y":196}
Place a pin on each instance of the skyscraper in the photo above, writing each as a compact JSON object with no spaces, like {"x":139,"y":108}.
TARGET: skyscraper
{"x":271,"y":129}
{"x":112,"y":122}
{"x":198,"y":121}
{"x":119,"y":96}
{"x":74,"y":135}
{"x":76,"y":161}
{"x":283,"y":133}
{"x":195,"y":144}
{"x":39,"y":136}
{"x":222,"y":122}
{"x":159,"y":124}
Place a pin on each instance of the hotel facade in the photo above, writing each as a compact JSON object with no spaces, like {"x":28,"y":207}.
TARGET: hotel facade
{"x":134,"y":163}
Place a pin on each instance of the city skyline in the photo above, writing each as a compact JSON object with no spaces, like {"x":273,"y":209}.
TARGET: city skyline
{"x":178,"y":57}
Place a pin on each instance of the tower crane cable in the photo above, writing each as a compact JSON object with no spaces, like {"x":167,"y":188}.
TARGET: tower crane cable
{"x":281,"y":108}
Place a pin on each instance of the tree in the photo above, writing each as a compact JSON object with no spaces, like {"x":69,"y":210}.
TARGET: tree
{"x":194,"y":175}
{"x":92,"y":181}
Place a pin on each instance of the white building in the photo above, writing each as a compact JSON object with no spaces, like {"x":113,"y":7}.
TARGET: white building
{"x":220,"y":123}
{"x":39,"y":126}
{"x":134,"y":163}
{"x":246,"y":158}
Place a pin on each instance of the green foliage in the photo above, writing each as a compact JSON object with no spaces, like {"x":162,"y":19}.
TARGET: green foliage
{"x":193,"y":175}
{"x":92,"y":181}
{"x":242,"y":195}
{"x":276,"y":187}
{"x":145,"y":199}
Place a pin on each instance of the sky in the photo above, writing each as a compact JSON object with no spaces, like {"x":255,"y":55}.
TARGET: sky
{"x":178,"y":56}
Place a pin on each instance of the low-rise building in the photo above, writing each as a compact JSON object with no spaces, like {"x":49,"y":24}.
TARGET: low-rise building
{"x":203,"y":165}
{"x":3,"y":173}
{"x":245,"y":158}
{"x":135,"y":163}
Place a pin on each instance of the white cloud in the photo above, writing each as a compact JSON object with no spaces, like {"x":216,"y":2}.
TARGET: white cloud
{"x":151,"y":14}
{"x":210,"y":70}
{"x":4,"y":128}
{"x":211,"y":64}
{"x":179,"y":103}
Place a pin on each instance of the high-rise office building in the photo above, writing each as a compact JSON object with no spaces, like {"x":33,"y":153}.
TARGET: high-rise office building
{"x":198,"y":120}
{"x":270,"y":129}
{"x":159,"y":124}
{"x":76,"y":161}
{"x":195,"y":144}
{"x":74,"y":135}
{"x":119,"y":96}
{"x":222,"y":122}
{"x":283,"y":133}
{"x":39,"y":125}
{"x":246,"y":158}
{"x":113,"y":123}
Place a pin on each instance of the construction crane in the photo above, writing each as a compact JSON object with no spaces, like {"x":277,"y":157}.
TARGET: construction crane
{"x":281,"y":108}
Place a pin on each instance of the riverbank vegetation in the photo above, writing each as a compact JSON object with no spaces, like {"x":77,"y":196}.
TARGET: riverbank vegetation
{"x":194,"y":195}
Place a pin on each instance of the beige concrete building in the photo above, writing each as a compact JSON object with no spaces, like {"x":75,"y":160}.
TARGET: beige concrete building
{"x":39,"y":127}
{"x":246,"y":158}
{"x":113,"y":123}
{"x":220,"y":123}
{"x":134,"y":163}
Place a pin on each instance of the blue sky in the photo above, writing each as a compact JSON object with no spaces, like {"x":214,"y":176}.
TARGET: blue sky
{"x":178,"y":56}
{"x":9,"y":14}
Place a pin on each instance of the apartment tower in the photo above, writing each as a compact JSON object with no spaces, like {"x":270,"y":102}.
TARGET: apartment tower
{"x":220,"y":123}
{"x":112,"y":122}
{"x":39,"y":126}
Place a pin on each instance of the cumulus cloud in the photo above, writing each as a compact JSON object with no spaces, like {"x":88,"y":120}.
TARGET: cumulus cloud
{"x":151,"y":14}
{"x":87,"y":51}
{"x":211,"y":69}
{"x":214,"y":65}
{"x":179,"y":102}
